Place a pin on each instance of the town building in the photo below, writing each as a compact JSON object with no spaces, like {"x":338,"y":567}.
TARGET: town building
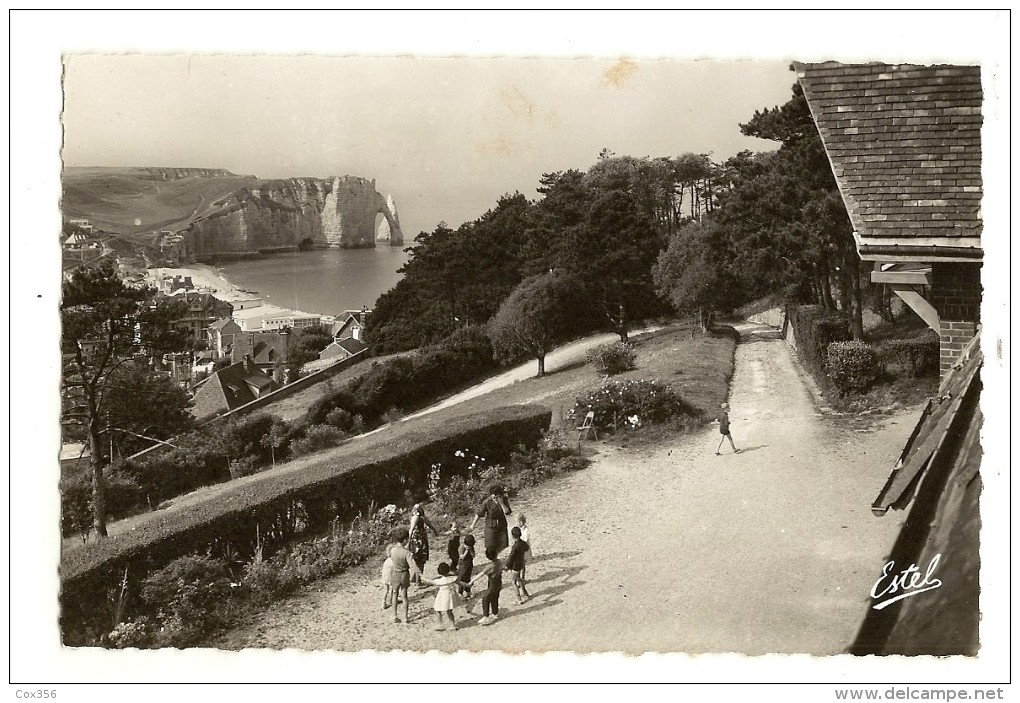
{"x":343,"y":349}
{"x":230,"y":388}
{"x":268,"y":350}
{"x":350,"y":324}
{"x":203,"y":310}
{"x":220,"y":336}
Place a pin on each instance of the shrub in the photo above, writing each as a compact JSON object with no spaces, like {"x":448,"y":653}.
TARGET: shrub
{"x":317,"y":437}
{"x":910,"y":357}
{"x":76,"y":506}
{"x":408,"y":382}
{"x":123,"y":494}
{"x":853,"y":366}
{"x":631,"y":404}
{"x":613,"y":358}
{"x":187,"y":597}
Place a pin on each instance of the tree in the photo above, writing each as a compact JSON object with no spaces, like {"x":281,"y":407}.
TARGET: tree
{"x":785,"y":216}
{"x":613,"y":251}
{"x":306,"y":345}
{"x":142,"y":405}
{"x":107,"y":324}
{"x":689,"y":273}
{"x":540,"y":312}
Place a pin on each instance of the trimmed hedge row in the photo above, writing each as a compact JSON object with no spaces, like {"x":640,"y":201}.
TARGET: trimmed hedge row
{"x":910,"y":357}
{"x":815,"y":329}
{"x":303,"y":496}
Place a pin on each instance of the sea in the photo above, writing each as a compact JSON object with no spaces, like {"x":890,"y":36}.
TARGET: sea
{"x":324,"y":281}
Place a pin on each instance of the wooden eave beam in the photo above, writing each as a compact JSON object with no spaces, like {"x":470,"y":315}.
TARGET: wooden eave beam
{"x":910,"y":278}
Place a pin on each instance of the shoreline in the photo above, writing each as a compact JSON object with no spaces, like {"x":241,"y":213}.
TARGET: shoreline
{"x":205,"y":278}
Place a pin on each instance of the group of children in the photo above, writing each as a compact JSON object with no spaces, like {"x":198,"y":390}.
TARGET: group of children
{"x":457,"y":575}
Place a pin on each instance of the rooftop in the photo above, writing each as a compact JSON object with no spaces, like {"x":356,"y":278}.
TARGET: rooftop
{"x":904,"y":142}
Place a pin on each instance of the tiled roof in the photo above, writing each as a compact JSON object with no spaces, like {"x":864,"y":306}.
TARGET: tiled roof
{"x":351,"y":345}
{"x":904,"y":142}
{"x":262,"y":347}
{"x":229,"y":388}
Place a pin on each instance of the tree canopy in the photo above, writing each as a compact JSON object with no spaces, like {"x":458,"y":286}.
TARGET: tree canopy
{"x":107,"y":324}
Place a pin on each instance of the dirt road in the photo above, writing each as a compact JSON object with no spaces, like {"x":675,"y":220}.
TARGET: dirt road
{"x":668,"y":548}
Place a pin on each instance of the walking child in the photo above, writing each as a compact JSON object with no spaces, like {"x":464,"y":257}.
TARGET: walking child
{"x":724,"y":428}
{"x":446,"y":596}
{"x":493,"y":571}
{"x":515,"y":563}
{"x":465,"y":567}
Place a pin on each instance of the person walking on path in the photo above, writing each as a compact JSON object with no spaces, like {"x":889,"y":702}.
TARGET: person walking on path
{"x":400,"y":575}
{"x":494,"y":509}
{"x":724,"y":428}
{"x":419,"y":540}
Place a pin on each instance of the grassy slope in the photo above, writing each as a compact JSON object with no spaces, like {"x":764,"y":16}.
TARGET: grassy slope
{"x":699,"y":367}
{"x":113,"y":198}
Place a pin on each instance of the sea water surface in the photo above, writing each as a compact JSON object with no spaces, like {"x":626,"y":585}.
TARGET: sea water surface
{"x":325,"y":281}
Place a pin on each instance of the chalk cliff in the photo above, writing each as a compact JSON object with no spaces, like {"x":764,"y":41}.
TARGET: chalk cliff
{"x":213,"y":213}
{"x":291,"y":214}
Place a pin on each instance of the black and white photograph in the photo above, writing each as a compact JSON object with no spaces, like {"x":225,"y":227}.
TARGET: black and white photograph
{"x":617,"y":334}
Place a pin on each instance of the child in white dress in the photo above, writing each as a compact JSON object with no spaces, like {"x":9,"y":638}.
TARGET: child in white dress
{"x":446,"y":596}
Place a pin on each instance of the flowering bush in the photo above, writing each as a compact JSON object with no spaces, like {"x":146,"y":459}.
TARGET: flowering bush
{"x":631,"y":404}
{"x":613,"y":358}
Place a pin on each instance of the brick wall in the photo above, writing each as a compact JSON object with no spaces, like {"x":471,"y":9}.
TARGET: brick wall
{"x":956,"y":295}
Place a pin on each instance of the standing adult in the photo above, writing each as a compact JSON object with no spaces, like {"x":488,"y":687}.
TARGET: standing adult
{"x":494,"y":509}
{"x":419,"y":541}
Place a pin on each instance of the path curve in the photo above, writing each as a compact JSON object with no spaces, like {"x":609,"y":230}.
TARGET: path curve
{"x":667,"y":548}
{"x":555,"y":360}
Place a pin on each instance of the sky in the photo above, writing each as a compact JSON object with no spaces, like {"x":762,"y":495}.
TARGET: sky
{"x":446,"y":147}
{"x":445,"y":136}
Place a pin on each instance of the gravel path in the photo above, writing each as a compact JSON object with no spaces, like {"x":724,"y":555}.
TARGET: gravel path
{"x":667,"y":548}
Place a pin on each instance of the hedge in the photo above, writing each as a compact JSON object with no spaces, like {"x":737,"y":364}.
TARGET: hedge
{"x":302,"y":496}
{"x":910,"y":357}
{"x":853,"y":366}
{"x":815,"y":328}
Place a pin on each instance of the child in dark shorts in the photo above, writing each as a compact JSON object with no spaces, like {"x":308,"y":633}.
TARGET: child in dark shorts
{"x":724,"y":428}
{"x":493,"y":571}
{"x":453,"y":547}
{"x":465,"y":566}
{"x":515,"y":563}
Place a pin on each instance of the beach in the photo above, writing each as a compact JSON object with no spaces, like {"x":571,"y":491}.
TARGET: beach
{"x":205,"y":278}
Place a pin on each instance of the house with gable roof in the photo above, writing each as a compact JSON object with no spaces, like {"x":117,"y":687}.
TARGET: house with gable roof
{"x":904,"y":143}
{"x":230,"y":388}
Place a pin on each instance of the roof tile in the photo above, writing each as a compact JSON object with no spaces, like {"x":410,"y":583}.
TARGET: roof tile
{"x":904,"y":142}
